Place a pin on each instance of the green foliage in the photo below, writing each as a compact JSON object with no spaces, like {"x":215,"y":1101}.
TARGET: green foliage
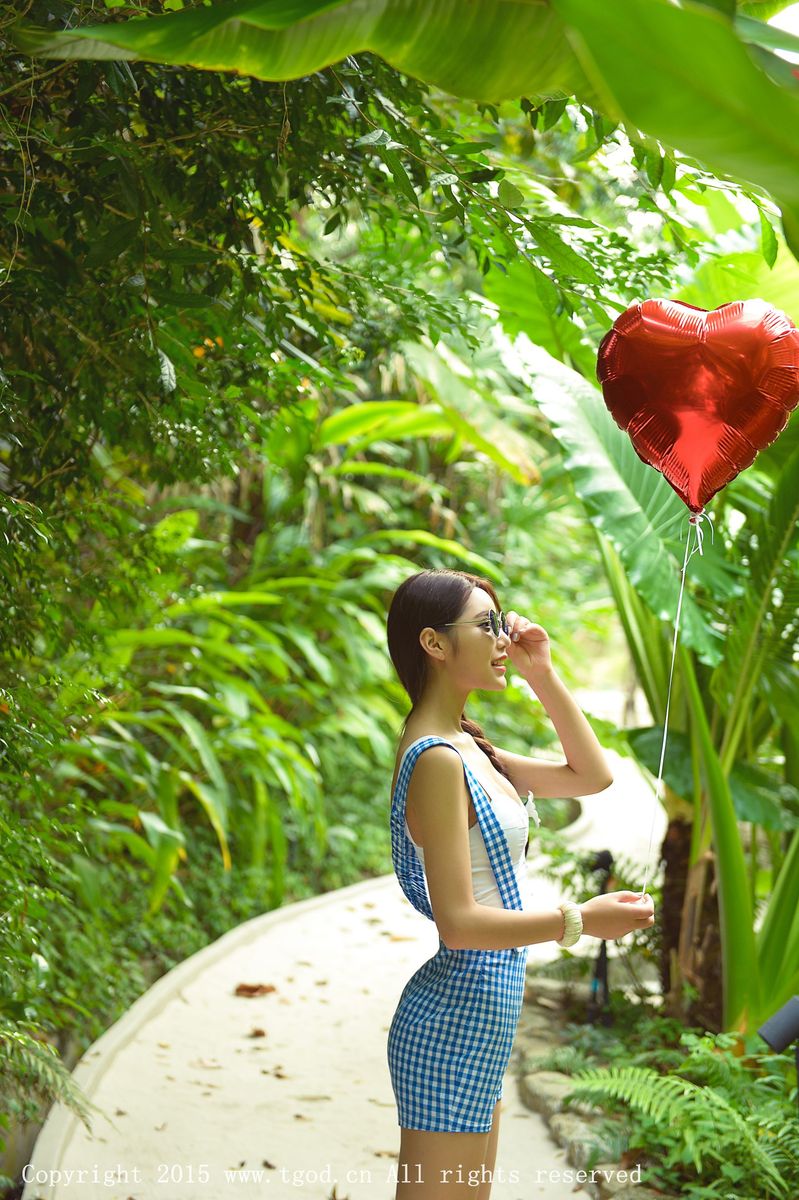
{"x":717,"y":1123}
{"x":636,"y":1032}
{"x":696,"y":55}
{"x":724,"y":98}
{"x":708,"y":1117}
{"x":249,"y":385}
{"x":632,"y":504}
{"x":37,"y":1075}
{"x":155,"y":234}
{"x":567,"y":1059}
{"x":766,"y":633}
{"x":572,"y":870}
{"x":739,"y":646}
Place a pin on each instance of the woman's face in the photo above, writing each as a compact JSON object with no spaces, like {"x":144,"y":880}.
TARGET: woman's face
{"x":473,"y":663}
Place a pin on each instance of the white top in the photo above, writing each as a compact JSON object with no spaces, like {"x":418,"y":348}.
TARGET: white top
{"x":514,"y":818}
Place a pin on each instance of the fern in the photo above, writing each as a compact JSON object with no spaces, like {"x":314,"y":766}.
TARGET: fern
{"x":33,"y":1069}
{"x":568,"y":1059}
{"x":610,"y":1143}
{"x":700,"y":1116}
{"x":782,"y":1133}
{"x":719,"y":1070}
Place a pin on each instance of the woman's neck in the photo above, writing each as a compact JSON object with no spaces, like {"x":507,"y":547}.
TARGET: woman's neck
{"x":441,"y":707}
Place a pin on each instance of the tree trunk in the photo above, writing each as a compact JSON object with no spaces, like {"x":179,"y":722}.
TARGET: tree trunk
{"x":691,"y":939}
{"x":699,"y":951}
{"x":675,"y":853}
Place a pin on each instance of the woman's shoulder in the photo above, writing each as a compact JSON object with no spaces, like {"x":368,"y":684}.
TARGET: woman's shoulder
{"x":464,"y":743}
{"x":411,"y":736}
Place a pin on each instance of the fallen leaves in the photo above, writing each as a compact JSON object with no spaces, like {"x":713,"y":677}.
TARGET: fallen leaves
{"x":254,"y":989}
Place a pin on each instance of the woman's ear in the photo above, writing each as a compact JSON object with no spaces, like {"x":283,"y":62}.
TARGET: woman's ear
{"x":431,"y":643}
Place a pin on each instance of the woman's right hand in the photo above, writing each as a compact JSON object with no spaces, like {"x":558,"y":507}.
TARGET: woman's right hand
{"x":613,"y":914}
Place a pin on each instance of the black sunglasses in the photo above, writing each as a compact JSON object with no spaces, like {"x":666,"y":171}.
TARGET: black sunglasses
{"x":495,"y":623}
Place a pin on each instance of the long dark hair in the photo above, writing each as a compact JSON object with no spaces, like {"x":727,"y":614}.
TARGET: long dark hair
{"x":432,"y":598}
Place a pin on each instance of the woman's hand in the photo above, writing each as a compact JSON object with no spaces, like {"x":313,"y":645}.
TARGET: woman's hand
{"x":616,"y":913}
{"x":529,"y":646}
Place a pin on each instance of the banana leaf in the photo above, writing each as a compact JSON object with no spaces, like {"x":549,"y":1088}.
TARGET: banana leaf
{"x":684,"y":74}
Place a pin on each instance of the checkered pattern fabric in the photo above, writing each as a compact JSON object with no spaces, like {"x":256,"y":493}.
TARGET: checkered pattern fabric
{"x":451,"y":1036}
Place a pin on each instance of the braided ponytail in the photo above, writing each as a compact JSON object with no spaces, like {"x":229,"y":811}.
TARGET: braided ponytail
{"x":471,"y":727}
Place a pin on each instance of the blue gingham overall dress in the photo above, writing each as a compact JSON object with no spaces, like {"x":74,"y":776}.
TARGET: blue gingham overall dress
{"x":451,"y":1036}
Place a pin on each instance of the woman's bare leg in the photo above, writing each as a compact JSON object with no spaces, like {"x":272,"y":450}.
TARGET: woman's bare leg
{"x":443,"y":1166}
{"x":484,"y":1191}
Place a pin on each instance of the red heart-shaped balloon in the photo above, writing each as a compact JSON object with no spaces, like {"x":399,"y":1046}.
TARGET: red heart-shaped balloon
{"x":700,"y":392}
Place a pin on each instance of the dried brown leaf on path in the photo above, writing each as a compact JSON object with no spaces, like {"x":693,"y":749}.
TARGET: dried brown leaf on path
{"x":254,"y":989}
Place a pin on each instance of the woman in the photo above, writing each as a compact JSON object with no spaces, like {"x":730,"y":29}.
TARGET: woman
{"x":458,"y":837}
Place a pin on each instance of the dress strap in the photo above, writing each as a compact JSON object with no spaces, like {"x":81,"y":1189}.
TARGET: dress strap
{"x":407,"y":865}
{"x":496,"y":844}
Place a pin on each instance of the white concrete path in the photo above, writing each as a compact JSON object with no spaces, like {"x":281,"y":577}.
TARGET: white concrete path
{"x":193,"y":1099}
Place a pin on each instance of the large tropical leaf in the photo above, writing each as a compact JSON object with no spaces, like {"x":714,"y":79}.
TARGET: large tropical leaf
{"x":745,"y":275}
{"x":472,"y":411}
{"x":763,"y":9}
{"x":773,"y":936}
{"x":627,"y":499}
{"x":647,"y":648}
{"x":682,"y":73}
{"x":381,"y":420}
{"x":444,"y":44}
{"x":445,"y":546}
{"x":766,"y":618}
{"x":742,"y":983}
{"x":685,"y":75}
{"x":756,"y":795}
{"x":466,"y":416}
{"x":211,"y":601}
{"x":528,"y":303}
{"x":198,"y":737}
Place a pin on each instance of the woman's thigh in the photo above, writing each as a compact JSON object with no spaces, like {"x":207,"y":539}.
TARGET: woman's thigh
{"x":441,"y":1166}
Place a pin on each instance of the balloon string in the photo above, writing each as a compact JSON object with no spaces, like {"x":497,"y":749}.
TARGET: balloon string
{"x":695,"y":524}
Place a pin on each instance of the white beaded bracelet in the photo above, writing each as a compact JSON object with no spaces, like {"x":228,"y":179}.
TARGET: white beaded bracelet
{"x":572,"y":924}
